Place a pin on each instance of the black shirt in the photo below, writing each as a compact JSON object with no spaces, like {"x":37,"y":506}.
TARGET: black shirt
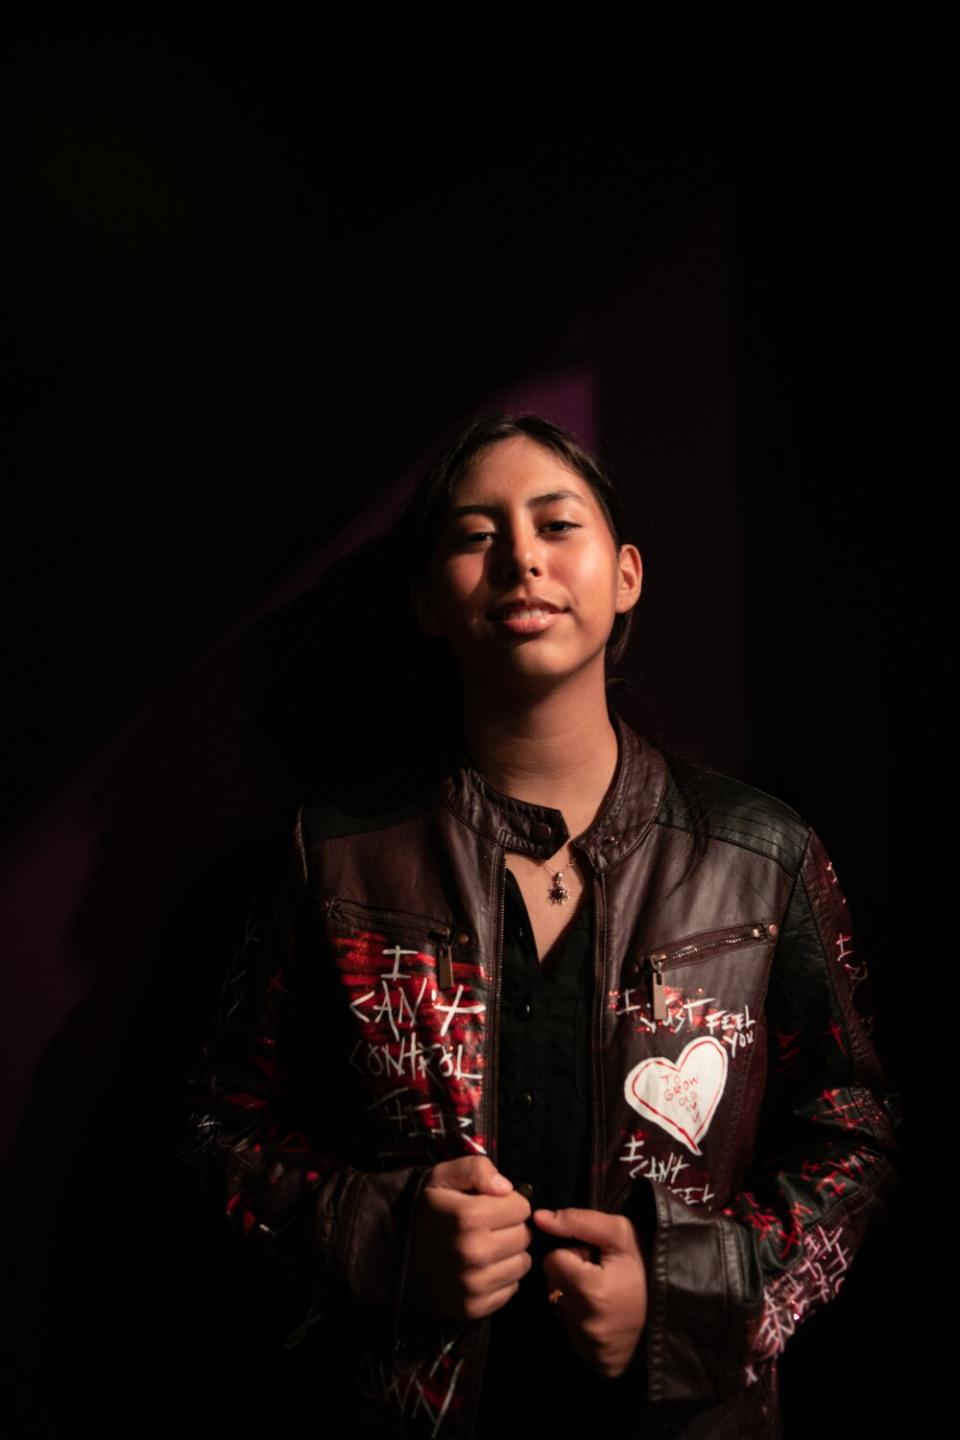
{"x":534,"y":1382}
{"x":544,"y":1100}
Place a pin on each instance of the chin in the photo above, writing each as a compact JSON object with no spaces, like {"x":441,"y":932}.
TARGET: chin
{"x":532,"y":674}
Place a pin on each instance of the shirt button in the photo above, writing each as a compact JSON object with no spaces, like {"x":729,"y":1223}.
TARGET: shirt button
{"x":525,"y":1100}
{"x":526,"y":1190}
{"x":525,"y":1010}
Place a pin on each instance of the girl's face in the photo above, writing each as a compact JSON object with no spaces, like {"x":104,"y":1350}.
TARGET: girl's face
{"x":526,"y":578}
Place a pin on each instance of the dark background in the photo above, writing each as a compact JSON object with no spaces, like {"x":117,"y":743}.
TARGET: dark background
{"x":259,"y":265}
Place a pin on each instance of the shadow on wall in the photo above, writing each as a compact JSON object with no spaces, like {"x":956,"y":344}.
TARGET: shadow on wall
{"x":154,"y":851}
{"x":127,"y":893}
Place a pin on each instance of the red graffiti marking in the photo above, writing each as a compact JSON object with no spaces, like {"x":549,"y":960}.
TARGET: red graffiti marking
{"x":848,"y":1114}
{"x":787,"y":1048}
{"x":420,"y":1046}
{"x":835,"y":1031}
{"x":814,"y":1279}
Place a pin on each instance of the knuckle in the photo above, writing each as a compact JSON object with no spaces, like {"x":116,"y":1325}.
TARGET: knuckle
{"x":472,"y":1285}
{"x":592,"y":1301}
{"x":458,"y":1253}
{"x":520,"y":1243}
{"x":470,"y":1248}
{"x":590,"y":1288}
{"x":462,"y":1226}
{"x":477,"y":1306}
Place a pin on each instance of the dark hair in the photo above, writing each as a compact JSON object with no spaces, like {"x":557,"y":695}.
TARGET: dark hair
{"x":433,"y":495}
{"x":319,"y":703}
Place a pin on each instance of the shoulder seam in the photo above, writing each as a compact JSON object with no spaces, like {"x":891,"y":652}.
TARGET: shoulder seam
{"x":752,"y":843}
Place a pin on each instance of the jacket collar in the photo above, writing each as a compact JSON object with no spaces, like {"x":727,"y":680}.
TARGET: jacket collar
{"x":628,"y":811}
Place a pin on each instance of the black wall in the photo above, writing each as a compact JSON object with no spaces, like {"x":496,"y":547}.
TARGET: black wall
{"x":258,"y":268}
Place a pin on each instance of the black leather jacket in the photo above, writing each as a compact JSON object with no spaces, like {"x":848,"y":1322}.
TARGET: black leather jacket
{"x":737,"y":1116}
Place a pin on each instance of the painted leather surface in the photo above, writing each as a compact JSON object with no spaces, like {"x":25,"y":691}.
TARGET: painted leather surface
{"x":740,"y":1105}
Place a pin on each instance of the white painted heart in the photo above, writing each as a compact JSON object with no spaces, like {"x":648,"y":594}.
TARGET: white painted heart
{"x":680,"y":1096}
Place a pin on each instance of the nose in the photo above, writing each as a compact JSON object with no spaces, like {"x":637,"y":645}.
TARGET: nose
{"x":519,"y":553}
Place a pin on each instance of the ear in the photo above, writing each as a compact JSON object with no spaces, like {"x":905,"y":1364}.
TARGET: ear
{"x":424,"y":607}
{"x":630,"y":581}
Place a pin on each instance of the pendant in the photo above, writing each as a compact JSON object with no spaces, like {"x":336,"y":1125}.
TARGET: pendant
{"x":558,"y":893}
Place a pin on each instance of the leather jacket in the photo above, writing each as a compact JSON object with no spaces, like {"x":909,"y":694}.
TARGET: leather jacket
{"x":737,"y":1115}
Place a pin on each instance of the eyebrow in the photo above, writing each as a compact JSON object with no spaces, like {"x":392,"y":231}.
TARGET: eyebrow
{"x":493,"y":509}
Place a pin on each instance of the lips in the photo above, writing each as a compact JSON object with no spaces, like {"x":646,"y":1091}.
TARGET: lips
{"x":523,"y":606}
{"x":526,"y":616}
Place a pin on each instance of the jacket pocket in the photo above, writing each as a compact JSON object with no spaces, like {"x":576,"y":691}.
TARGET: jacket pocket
{"x":652,"y":967}
{"x":414,"y":1002}
{"x":687,"y":1039}
{"x":403,"y":939}
{"x":414,"y":929}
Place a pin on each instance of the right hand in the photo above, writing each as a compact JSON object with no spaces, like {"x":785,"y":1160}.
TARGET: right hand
{"x":468,"y":1250}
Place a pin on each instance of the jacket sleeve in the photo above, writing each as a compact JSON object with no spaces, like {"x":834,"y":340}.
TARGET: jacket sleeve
{"x":729,"y":1288}
{"x":270,"y":1152}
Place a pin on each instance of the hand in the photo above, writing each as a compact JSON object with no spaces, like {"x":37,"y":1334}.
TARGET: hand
{"x":604,"y":1304}
{"x":468,"y":1250}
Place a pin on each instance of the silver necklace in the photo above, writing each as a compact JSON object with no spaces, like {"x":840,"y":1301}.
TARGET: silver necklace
{"x":558,"y":894}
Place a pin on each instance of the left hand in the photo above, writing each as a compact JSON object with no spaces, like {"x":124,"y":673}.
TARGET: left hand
{"x":604,"y":1304}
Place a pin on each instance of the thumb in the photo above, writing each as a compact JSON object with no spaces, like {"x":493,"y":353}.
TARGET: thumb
{"x":565,"y":1266}
{"x":474,"y":1173}
{"x":610,"y":1233}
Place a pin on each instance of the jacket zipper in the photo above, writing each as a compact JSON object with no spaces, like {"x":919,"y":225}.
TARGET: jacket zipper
{"x":689,"y":951}
{"x":491,"y":1118}
{"x":600,"y":922}
{"x":406,"y":927}
{"x":493,"y":1016}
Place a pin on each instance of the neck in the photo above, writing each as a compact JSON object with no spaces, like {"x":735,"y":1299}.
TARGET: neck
{"x":558,"y":750}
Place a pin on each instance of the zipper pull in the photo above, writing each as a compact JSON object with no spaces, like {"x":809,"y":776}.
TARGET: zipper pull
{"x":657,"y":987}
{"x":445,"y":965}
{"x":444,"y":958}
